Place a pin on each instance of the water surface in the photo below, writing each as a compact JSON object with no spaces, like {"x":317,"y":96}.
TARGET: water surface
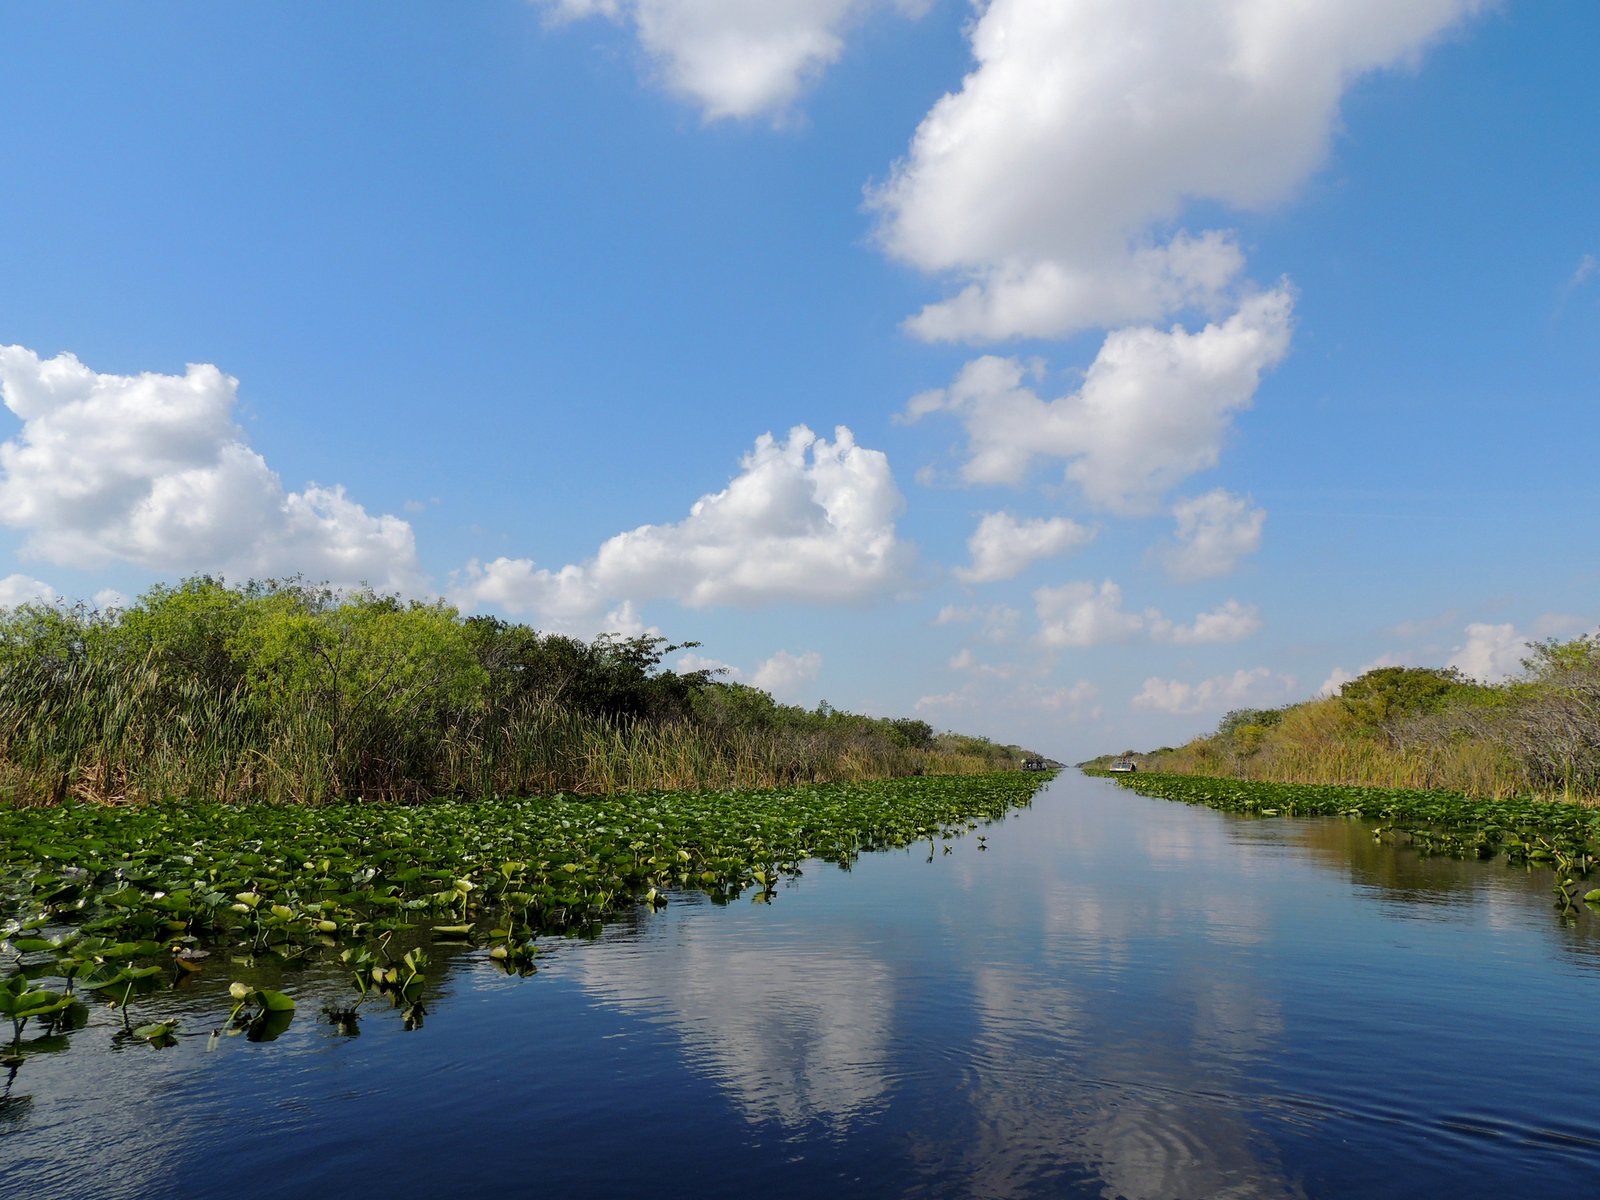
{"x":1107,"y":996}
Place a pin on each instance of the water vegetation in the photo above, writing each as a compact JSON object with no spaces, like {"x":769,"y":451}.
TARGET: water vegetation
{"x":218,"y":786}
{"x":287,"y":692}
{"x":1565,"y":838}
{"x":112,"y":903}
{"x":1431,"y":729}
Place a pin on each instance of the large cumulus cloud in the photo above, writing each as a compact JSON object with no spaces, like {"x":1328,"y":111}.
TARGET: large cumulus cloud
{"x":806,"y":520}
{"x":152,"y":470}
{"x":1051,"y":185}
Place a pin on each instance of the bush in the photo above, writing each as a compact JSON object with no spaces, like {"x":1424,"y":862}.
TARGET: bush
{"x":287,"y":691}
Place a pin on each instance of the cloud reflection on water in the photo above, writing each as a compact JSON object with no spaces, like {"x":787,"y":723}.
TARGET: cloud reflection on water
{"x":1061,"y":1099}
{"x":1113,"y":1057}
{"x":1081,"y":1049}
{"x":792,"y":1035}
{"x":1099,"y":1006}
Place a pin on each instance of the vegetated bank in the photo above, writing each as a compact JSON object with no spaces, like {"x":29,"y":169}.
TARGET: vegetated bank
{"x":1433,"y":729}
{"x":262,"y":775}
{"x":1526,"y":831}
{"x":285,"y":692}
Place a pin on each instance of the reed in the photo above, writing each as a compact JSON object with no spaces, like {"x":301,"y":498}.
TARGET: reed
{"x":287,"y":693}
{"x":95,"y":733}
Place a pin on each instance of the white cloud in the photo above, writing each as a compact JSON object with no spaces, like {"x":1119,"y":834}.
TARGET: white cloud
{"x":22,"y":589}
{"x":785,"y":673}
{"x":1075,"y":701}
{"x":1214,"y":531}
{"x":966,"y":661}
{"x":807,"y":521}
{"x":1338,"y":677}
{"x":1153,"y":409}
{"x":814,"y":1056}
{"x":996,"y":622}
{"x":1232,"y":622}
{"x":734,"y":58}
{"x":1257,"y":686}
{"x":109,"y":598}
{"x":1048,"y":299}
{"x":1490,"y":653}
{"x":1002,"y":547}
{"x":625,"y":620}
{"x":574,"y":10}
{"x":1587,"y":268}
{"x":150,"y":469}
{"x":1560,"y":625}
{"x":1050,"y":182}
{"x":978,"y":699}
{"x":690,"y":661}
{"x":1423,"y":626}
{"x":1083,"y":614}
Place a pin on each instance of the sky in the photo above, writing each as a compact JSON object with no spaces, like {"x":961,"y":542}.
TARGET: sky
{"x":1069,"y":372}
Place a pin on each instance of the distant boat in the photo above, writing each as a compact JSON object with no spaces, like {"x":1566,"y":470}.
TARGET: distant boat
{"x":1124,"y":766}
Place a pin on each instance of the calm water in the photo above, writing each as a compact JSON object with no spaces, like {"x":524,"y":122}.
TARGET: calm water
{"x":1119,"y":997}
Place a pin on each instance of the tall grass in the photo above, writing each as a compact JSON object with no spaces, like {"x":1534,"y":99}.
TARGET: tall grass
{"x":286,"y":692}
{"x":97,"y":732}
{"x":1492,"y":752}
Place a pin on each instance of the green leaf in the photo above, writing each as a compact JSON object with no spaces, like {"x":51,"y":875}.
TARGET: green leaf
{"x":271,"y":1001}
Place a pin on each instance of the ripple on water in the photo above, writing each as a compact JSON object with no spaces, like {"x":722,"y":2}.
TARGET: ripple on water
{"x":1119,"y":997}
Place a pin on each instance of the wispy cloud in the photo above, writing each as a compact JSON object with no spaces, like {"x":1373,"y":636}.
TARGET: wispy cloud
{"x":1253,"y":686}
{"x":1214,"y":533}
{"x":1588,"y":267}
{"x":995,"y":622}
{"x":1083,"y":614}
{"x":981,"y":697}
{"x":1424,"y":626}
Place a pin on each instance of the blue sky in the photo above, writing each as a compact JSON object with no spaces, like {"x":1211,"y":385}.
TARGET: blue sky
{"x":1065,"y":372}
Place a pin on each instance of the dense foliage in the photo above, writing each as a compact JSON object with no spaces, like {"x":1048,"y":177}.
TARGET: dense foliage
{"x":1430,"y":728}
{"x":117,"y":902}
{"x":289,"y":692}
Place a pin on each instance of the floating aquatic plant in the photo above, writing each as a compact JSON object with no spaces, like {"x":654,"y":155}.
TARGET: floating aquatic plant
{"x":119,"y":902}
{"x":1563,"y":837}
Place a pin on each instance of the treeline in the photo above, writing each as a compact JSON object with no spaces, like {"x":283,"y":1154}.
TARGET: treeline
{"x":1425,"y":728}
{"x":287,"y":692}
